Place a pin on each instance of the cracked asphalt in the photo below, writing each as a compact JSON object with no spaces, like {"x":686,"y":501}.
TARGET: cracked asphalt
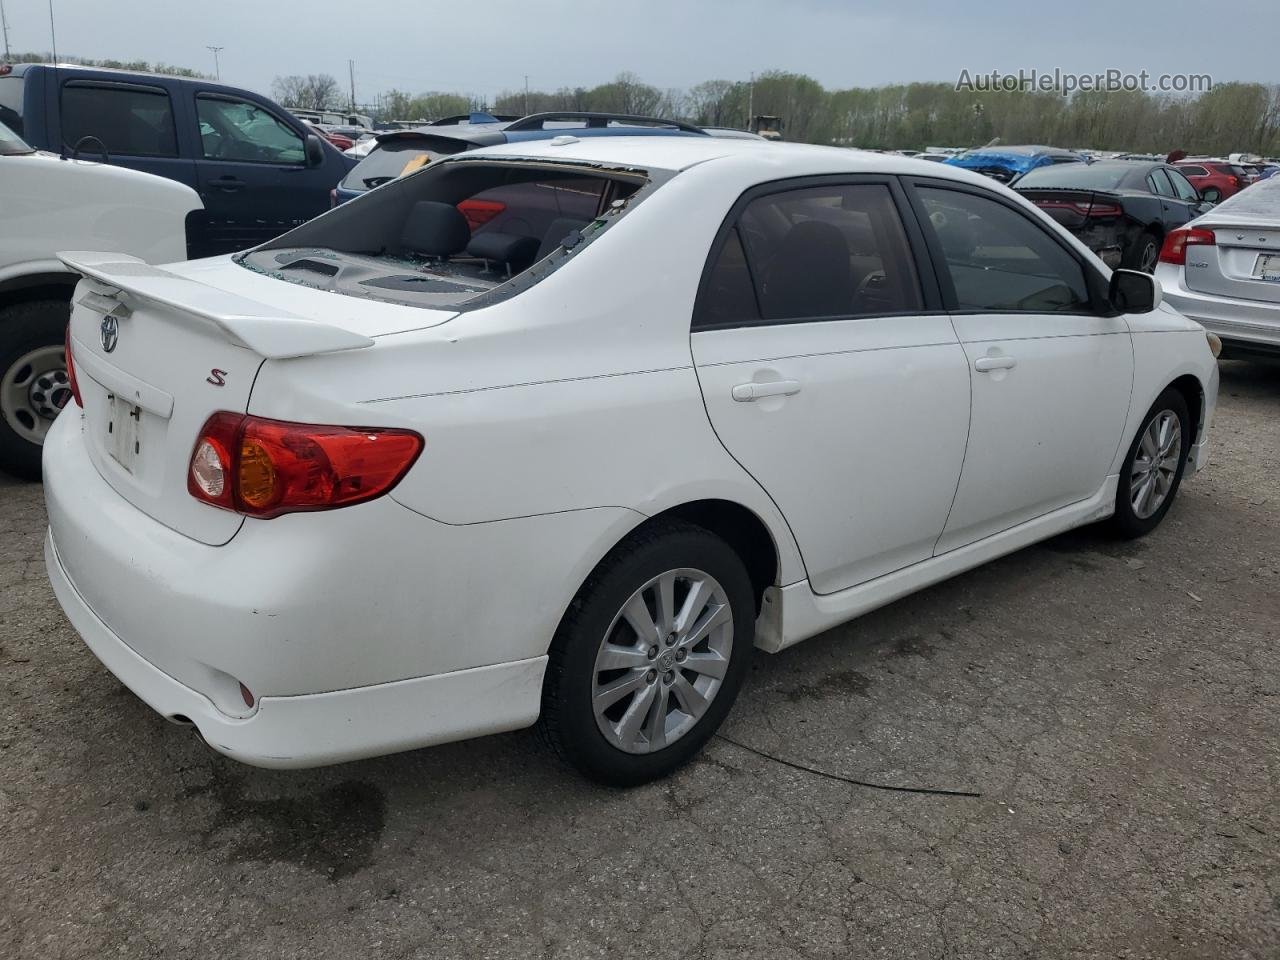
{"x":1116,"y":706}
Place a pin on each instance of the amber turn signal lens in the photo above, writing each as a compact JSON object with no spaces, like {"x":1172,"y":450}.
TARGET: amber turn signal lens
{"x":259,"y":486}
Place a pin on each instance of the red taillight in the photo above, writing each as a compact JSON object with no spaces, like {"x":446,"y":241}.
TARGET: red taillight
{"x":1175,"y":246}
{"x":264,"y":468}
{"x":71,"y":371}
{"x":1084,"y":209}
{"x":480,"y":212}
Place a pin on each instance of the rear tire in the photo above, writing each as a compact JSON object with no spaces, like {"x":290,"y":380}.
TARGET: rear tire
{"x":34,"y":384}
{"x":1144,"y":254}
{"x":627,"y":705}
{"x":1152,"y":470}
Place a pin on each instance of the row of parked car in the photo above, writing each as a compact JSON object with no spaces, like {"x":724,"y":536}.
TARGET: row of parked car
{"x":1122,"y":207}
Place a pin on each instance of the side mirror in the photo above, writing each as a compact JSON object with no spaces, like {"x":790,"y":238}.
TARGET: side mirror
{"x":314,"y":150}
{"x":1133,"y":291}
{"x":1211,"y":195}
{"x":1203,"y":207}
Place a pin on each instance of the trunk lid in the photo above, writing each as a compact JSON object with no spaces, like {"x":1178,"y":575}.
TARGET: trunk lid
{"x":156,"y":354}
{"x":1244,"y":260}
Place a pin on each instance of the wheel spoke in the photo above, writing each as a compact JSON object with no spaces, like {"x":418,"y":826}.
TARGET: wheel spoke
{"x":691,"y":701}
{"x":1149,"y":445}
{"x":606,"y":696}
{"x":716,"y":616}
{"x":614,"y":657}
{"x":664,"y":595}
{"x":628,"y":728}
{"x":708,"y":664}
{"x":699,"y":594}
{"x":638,"y":617}
{"x":655,"y":728}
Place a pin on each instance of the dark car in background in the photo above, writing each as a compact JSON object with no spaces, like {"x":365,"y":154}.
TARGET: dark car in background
{"x":258,"y":169}
{"x":1006,"y":164}
{"x":1120,"y":209}
{"x":403,"y":151}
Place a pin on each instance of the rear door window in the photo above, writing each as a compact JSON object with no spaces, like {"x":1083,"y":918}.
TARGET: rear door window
{"x":830,"y":251}
{"x":1159,"y":183}
{"x":1000,"y":260}
{"x":128,"y":119}
{"x":1194,"y":171}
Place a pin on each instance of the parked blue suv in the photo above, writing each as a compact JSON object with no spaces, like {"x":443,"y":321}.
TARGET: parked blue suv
{"x":403,"y":151}
{"x":259,"y":170}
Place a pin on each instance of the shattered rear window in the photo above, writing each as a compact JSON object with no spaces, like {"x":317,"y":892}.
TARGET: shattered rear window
{"x":458,"y":234}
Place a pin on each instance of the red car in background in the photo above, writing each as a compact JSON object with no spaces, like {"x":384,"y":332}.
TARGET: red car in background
{"x":1215,"y":179}
{"x":341,"y":141}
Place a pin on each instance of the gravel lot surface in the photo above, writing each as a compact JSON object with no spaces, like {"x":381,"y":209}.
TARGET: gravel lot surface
{"x":1115,"y":706}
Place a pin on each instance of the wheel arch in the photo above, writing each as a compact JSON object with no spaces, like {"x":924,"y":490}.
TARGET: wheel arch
{"x":742,"y":529}
{"x":1192,"y":391}
{"x":43,"y":285}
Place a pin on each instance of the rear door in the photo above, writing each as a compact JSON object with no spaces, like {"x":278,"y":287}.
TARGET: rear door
{"x":125,"y":123}
{"x":1051,"y":374}
{"x":252,"y":171}
{"x":830,"y":374}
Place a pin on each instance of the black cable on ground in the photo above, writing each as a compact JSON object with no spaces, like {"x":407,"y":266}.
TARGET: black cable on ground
{"x":843,"y":779}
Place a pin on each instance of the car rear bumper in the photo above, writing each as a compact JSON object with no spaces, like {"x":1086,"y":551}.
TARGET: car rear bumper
{"x":316,"y":729}
{"x":1251,"y":324}
{"x":359,"y":631}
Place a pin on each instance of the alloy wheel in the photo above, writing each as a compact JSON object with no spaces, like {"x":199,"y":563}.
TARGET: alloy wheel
{"x":662,"y":661}
{"x":1155,"y":464}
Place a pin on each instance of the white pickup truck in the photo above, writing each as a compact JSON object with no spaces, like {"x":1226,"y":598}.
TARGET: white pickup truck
{"x":49,"y":203}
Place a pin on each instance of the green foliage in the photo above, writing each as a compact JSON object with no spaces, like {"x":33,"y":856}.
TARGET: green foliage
{"x":136,"y":66}
{"x":1231,"y":117}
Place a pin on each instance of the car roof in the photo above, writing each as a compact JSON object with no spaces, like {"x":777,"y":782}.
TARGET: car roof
{"x":680,"y":153}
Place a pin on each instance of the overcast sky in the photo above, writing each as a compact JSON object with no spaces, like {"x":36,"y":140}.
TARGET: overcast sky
{"x":486,"y":46}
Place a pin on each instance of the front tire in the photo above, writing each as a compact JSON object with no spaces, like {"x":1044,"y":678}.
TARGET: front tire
{"x":650,"y":655}
{"x":34,"y":385}
{"x":1153,"y":469}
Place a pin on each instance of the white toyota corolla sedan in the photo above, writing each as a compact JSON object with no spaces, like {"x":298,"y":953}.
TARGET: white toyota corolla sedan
{"x":560,"y":432}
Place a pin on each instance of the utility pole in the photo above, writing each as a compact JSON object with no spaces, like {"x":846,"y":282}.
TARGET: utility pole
{"x":4,"y":22}
{"x":526,"y":87}
{"x":351,"y":71}
{"x":217,"y":69}
{"x":751,"y":103}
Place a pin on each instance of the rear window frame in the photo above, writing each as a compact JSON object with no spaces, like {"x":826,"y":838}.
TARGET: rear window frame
{"x":647,"y":180}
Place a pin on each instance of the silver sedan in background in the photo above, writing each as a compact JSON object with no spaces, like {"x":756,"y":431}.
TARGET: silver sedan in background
{"x":1223,"y":270}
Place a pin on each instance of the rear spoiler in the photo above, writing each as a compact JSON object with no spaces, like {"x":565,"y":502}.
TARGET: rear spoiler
{"x":267,"y":331}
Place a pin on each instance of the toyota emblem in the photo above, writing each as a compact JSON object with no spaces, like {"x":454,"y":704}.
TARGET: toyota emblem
{"x":110,"y":331}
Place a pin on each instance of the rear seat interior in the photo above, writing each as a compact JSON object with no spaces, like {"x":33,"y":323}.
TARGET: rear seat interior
{"x":439,"y":232}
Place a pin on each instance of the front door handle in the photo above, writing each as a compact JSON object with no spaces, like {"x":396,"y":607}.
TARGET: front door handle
{"x":987,"y":364}
{"x":746,"y":392}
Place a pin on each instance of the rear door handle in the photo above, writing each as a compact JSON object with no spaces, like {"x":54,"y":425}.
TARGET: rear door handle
{"x":987,"y":364}
{"x":746,"y":392}
{"x":227,"y":183}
